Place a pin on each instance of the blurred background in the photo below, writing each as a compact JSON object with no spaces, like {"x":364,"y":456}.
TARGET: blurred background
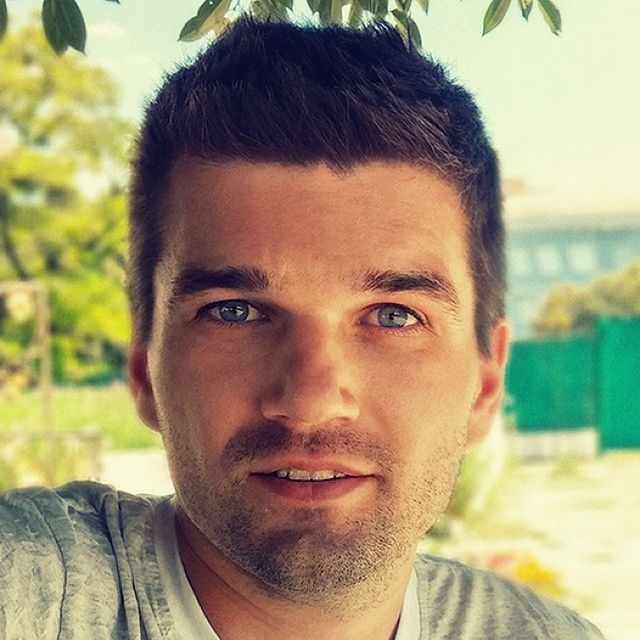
{"x":553,"y":497}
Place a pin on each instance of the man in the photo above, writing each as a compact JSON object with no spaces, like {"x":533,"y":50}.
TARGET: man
{"x":317,"y":289}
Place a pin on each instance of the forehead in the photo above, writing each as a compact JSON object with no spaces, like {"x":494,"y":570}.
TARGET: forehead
{"x":311,"y":221}
{"x":315,"y":234}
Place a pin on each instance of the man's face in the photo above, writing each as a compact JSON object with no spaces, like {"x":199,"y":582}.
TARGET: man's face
{"x":313,"y":367}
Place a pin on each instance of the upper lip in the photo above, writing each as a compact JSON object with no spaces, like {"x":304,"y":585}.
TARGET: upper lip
{"x":312,"y":465}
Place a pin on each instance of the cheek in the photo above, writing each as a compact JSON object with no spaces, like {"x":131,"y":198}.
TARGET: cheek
{"x":422,"y":395}
{"x":203,"y":397}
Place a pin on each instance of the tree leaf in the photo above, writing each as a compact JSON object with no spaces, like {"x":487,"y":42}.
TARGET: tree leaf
{"x":551,"y":15}
{"x":365,"y":4}
{"x":414,"y":33}
{"x":380,"y":8}
{"x":425,"y":5}
{"x":354,"y":18}
{"x":525,"y":7}
{"x":264,"y":10}
{"x":4,"y":18}
{"x":64,"y":25}
{"x":401,"y":17}
{"x":336,"y":11}
{"x":324,"y":11}
{"x":190,"y":29}
{"x":314,"y":5}
{"x":271,"y":9}
{"x":408,"y":27}
{"x":494,"y":15}
{"x":210,"y":17}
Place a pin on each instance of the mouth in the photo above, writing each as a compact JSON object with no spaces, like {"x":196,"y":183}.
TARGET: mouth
{"x":303,"y":475}
{"x":302,"y":485}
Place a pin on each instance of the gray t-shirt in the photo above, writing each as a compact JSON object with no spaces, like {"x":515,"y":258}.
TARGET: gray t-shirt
{"x":80,"y":562}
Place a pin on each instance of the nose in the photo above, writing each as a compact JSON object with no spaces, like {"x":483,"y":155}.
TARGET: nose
{"x":314,"y":383}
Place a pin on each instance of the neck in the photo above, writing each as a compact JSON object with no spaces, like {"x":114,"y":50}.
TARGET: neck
{"x":240,"y":607}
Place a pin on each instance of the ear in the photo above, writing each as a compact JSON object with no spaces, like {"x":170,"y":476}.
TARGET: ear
{"x":140,"y":384}
{"x":490,"y":385}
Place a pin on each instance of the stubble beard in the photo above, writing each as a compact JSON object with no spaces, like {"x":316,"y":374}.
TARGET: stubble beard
{"x":314,"y":559}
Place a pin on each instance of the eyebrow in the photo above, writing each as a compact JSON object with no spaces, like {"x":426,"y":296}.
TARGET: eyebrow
{"x":193,"y":280}
{"x":428,"y":282}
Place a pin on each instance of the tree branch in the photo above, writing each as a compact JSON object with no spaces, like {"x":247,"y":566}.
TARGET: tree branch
{"x":7,"y":242}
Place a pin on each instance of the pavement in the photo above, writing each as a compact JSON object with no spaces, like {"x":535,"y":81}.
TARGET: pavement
{"x":580,"y":517}
{"x":584,"y":521}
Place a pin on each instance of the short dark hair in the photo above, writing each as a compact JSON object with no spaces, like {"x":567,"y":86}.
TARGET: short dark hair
{"x":278,"y":92}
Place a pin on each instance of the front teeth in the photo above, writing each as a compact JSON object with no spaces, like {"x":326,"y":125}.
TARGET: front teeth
{"x":299,"y":474}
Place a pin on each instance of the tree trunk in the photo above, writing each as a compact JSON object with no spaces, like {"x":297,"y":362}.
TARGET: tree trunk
{"x":6,"y":240}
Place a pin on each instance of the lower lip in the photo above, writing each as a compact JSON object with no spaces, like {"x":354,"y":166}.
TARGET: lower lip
{"x":312,"y":490}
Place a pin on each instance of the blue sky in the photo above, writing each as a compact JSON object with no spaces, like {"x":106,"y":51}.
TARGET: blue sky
{"x":564,"y":112}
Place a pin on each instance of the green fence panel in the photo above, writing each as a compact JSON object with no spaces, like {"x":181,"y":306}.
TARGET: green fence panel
{"x":619,"y":383}
{"x":551,"y":384}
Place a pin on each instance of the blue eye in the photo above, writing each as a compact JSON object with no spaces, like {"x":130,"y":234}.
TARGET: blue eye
{"x":232,"y":312}
{"x":392,"y":316}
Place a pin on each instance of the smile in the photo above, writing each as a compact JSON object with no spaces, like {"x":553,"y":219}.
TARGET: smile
{"x":301,"y":475}
{"x":304,"y":480}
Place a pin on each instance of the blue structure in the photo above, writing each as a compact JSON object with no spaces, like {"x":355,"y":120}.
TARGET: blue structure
{"x":545,"y":252}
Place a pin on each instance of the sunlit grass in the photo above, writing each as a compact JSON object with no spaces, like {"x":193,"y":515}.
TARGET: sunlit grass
{"x":108,"y":410}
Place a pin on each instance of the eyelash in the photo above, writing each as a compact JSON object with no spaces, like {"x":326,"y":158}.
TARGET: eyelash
{"x":421,"y":321}
{"x":203,"y":314}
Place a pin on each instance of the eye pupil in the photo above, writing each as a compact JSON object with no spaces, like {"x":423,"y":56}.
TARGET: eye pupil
{"x":392,"y":317}
{"x":234,"y":311}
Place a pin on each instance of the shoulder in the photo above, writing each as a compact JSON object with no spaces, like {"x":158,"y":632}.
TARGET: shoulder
{"x":466,"y":601}
{"x":64,"y":549}
{"x":36,"y":514}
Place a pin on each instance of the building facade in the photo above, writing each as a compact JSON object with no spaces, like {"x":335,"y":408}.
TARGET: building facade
{"x":543,"y":253}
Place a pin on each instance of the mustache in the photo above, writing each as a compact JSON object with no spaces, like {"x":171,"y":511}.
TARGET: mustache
{"x":271,"y":437}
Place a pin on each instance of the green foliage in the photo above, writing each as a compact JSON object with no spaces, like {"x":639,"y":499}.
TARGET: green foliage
{"x":29,"y":459}
{"x":480,"y":470}
{"x":497,"y":10}
{"x":4,"y":18}
{"x":107,"y":410}
{"x":64,"y":24}
{"x":212,"y":14}
{"x":551,"y":15}
{"x":572,"y":308}
{"x":408,"y":24}
{"x":210,"y":17}
{"x":425,"y":5}
{"x":17,"y":365}
{"x":494,"y":15}
{"x":60,"y":115}
{"x":525,"y":7}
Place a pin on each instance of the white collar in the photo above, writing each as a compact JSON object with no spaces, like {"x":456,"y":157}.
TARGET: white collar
{"x":409,"y":626}
{"x":185,"y":610}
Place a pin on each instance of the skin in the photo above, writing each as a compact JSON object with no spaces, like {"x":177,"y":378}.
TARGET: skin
{"x":312,"y":378}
